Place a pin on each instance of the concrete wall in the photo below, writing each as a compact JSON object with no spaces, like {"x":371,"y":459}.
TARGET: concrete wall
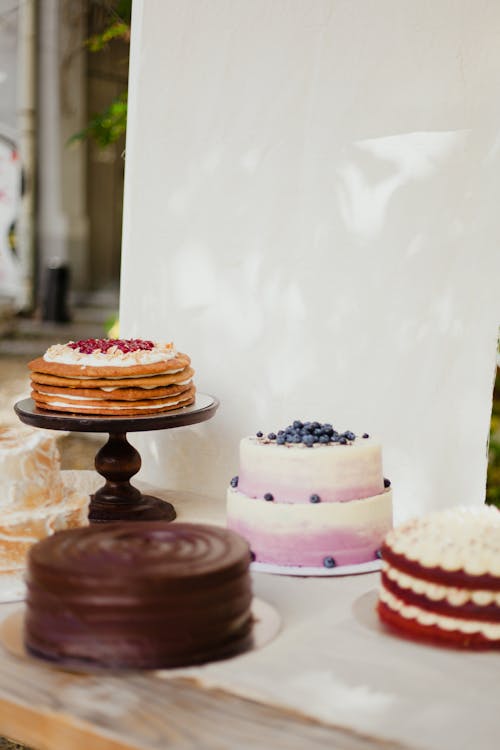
{"x":311,"y":213}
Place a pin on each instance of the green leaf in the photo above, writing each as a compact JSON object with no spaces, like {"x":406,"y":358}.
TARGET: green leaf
{"x":108,"y":126}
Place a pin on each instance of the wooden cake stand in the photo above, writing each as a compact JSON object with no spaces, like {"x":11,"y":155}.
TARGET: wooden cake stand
{"x":117,"y":461}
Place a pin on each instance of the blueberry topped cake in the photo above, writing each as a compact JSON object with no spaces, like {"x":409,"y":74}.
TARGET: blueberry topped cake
{"x":441,"y":578}
{"x":309,"y":495}
{"x":122,"y":377}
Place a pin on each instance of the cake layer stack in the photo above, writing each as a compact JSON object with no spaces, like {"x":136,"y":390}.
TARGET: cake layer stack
{"x":121,"y":377}
{"x":310,"y":496}
{"x":441,"y":578}
{"x":34,"y":501}
{"x":139,"y":595}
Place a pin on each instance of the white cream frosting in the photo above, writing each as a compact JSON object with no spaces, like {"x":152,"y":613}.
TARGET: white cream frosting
{"x":29,"y":469}
{"x":291,"y":472}
{"x":307,"y":518}
{"x":131,"y":405}
{"x":72,"y":397}
{"x":34,"y":501}
{"x":453,"y":595}
{"x":456,"y":539}
{"x":114,"y":357}
{"x":12,"y":586}
{"x":489,"y":630}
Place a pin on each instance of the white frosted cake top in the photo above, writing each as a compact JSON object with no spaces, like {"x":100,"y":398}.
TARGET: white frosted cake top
{"x":457,"y":539}
{"x":110,"y":353}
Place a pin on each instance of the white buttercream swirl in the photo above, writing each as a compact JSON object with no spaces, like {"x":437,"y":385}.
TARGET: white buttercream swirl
{"x":465,"y":539}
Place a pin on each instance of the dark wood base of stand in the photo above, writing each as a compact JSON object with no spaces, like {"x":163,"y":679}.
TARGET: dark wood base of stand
{"x":118,"y":461}
{"x":148,"y":508}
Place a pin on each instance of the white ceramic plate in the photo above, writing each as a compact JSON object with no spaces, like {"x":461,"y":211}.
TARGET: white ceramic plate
{"x":296,"y":570}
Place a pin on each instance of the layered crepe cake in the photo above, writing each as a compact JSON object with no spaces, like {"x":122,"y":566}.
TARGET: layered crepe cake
{"x":34,"y":501}
{"x":142,"y":595}
{"x":441,"y":578}
{"x":120,"y":377}
{"x":310,"y":496}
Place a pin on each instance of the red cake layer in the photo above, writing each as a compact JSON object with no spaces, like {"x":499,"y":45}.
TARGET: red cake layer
{"x":432,"y":633}
{"x":455,"y":578}
{"x":468,"y":611}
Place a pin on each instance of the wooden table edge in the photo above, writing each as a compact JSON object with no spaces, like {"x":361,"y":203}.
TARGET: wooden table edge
{"x":44,"y":729}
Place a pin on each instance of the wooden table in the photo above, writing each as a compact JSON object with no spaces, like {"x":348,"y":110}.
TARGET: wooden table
{"x":51,"y":710}
{"x":329,"y":680}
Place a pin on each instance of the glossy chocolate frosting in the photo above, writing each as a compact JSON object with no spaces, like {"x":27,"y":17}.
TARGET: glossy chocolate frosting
{"x":139,"y":595}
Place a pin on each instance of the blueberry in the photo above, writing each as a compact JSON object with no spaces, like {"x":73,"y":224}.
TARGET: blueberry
{"x":378,"y":554}
{"x":281,"y":432}
{"x":271,"y":436}
{"x":297,"y":424}
{"x":252,"y":556}
{"x":315,"y":439}
{"x":315,"y":425}
{"x":387,"y":482}
{"x":297,"y":438}
{"x":328,"y":428}
{"x":268,"y":496}
{"x":315,"y":499}
{"x":280,"y":440}
{"x":342,"y":440}
{"x":306,"y":425}
{"x":318,"y":431}
{"x":350,"y":435}
{"x":329,"y":562}
{"x":366,"y":435}
{"x":324,"y":439}
{"x":259,"y":434}
{"x":308,"y":440}
{"x":234,"y":481}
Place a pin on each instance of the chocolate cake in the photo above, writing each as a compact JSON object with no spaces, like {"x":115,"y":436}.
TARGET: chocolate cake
{"x":142,"y":595}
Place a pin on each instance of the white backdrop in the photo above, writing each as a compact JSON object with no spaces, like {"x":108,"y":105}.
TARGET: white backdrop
{"x":311,"y":212}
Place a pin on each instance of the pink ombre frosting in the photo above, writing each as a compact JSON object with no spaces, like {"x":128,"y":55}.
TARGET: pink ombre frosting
{"x":335,"y":472}
{"x":304,"y":534}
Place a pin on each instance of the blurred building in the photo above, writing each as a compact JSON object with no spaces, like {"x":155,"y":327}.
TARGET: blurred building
{"x":60,"y":199}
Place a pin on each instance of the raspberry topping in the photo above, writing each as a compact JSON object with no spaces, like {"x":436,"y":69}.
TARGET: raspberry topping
{"x":104,"y":345}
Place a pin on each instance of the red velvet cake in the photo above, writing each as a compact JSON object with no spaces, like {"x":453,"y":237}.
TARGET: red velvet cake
{"x":441,"y":578}
{"x":142,"y":595}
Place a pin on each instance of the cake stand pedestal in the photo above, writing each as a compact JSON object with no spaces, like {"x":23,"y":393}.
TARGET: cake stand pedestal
{"x":117,"y":461}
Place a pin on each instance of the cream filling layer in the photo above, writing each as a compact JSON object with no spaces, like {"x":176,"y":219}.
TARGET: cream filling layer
{"x":114,"y":357}
{"x":143,"y":387}
{"x":87,"y":398}
{"x":491,"y":631}
{"x":126,"y":377}
{"x":436,"y":592}
{"x":118,"y":408}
